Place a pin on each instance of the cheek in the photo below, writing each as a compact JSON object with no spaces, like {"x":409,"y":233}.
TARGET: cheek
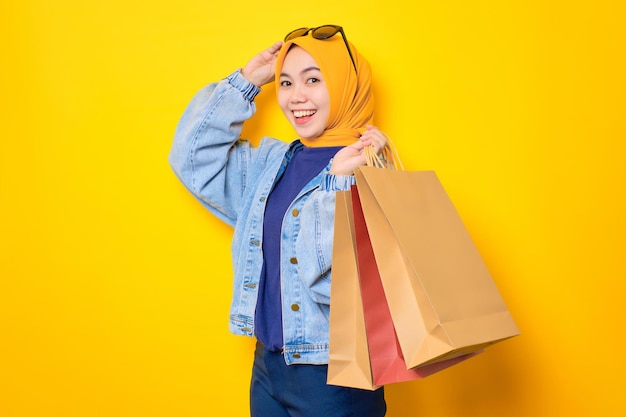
{"x":282,"y":102}
{"x":323,"y":105}
{"x":323,"y":100}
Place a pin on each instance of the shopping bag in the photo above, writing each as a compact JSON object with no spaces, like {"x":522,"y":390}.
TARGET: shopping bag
{"x":349,"y":363}
{"x":349,"y":351}
{"x":387,"y":361}
{"x":443,"y":301}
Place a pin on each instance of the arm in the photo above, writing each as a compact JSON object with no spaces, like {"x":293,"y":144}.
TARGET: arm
{"x":204,"y":155}
{"x":207,"y":155}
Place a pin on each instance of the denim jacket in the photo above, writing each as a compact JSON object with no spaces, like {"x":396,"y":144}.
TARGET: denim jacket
{"x":233,"y":179}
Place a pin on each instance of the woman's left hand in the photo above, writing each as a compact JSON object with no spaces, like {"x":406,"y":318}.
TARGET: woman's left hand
{"x":351,"y":157}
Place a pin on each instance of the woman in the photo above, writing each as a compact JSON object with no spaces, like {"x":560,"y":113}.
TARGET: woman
{"x":280,"y":199}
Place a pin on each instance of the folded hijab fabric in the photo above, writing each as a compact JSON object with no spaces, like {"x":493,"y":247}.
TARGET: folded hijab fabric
{"x":350,"y":91}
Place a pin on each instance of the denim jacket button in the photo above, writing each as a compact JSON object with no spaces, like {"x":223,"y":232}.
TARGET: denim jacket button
{"x":295,"y":307}
{"x":293,"y":260}
{"x":295,"y":212}
{"x":296,"y":355}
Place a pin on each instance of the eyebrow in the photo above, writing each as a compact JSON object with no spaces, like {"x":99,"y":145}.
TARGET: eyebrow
{"x":304,"y":71}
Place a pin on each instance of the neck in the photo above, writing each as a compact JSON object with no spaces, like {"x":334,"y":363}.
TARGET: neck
{"x":334,"y":137}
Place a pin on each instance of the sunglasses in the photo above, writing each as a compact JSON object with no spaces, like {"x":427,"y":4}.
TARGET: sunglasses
{"x":322,"y":33}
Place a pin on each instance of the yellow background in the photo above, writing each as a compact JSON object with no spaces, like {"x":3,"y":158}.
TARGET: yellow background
{"x":115,"y":284}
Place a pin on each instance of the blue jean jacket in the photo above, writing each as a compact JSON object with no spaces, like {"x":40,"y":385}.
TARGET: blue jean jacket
{"x":232,"y":179}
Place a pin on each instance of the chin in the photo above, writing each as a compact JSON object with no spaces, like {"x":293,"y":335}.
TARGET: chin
{"x":307,"y":134}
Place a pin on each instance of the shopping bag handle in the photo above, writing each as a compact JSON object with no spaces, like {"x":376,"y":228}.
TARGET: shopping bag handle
{"x":387,"y":158}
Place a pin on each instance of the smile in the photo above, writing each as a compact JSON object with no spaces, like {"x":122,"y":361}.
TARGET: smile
{"x":304,"y":113}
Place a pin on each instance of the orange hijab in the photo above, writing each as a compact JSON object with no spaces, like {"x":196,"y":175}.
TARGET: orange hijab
{"x":351,"y":100}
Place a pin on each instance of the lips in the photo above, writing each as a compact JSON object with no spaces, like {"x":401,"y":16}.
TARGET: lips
{"x":304,"y":113}
{"x":303,"y":116}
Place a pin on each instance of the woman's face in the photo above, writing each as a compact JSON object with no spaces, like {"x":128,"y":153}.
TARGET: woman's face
{"x":302,"y":94}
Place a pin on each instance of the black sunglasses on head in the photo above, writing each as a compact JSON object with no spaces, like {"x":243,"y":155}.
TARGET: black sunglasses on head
{"x":322,"y":33}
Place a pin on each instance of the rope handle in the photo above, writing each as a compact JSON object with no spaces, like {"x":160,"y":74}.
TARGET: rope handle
{"x":387,"y":158}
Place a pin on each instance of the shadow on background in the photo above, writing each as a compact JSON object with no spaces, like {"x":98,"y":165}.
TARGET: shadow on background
{"x":486,"y":385}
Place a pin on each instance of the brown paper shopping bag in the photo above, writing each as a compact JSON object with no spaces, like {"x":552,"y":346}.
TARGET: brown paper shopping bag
{"x":350,"y":357}
{"x":443,"y":301}
{"x":386,"y":358}
{"x":349,"y":363}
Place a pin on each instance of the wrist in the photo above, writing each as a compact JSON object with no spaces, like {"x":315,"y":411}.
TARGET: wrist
{"x":331,"y":182}
{"x":243,"y":84}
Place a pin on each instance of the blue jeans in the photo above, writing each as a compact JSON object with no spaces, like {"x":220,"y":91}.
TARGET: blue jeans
{"x":281,"y":390}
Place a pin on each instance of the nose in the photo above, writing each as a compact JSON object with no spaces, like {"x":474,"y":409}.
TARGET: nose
{"x":297,"y":94}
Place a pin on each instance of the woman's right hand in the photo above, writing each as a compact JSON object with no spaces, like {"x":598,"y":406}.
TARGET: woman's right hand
{"x":260,"y":70}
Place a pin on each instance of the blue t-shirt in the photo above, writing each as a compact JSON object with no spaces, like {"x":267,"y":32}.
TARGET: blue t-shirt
{"x":304,"y":165}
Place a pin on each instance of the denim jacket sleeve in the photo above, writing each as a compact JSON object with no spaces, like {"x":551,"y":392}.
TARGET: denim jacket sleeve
{"x":207,"y":155}
{"x":314,"y":244}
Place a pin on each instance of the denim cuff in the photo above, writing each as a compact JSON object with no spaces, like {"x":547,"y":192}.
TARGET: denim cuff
{"x":238,"y":81}
{"x":337,"y":182}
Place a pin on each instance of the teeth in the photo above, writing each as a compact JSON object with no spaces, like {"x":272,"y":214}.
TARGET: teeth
{"x":302,"y":113}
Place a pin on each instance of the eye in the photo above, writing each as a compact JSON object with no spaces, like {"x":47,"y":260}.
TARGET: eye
{"x":312,"y":80}
{"x":285,"y":83}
